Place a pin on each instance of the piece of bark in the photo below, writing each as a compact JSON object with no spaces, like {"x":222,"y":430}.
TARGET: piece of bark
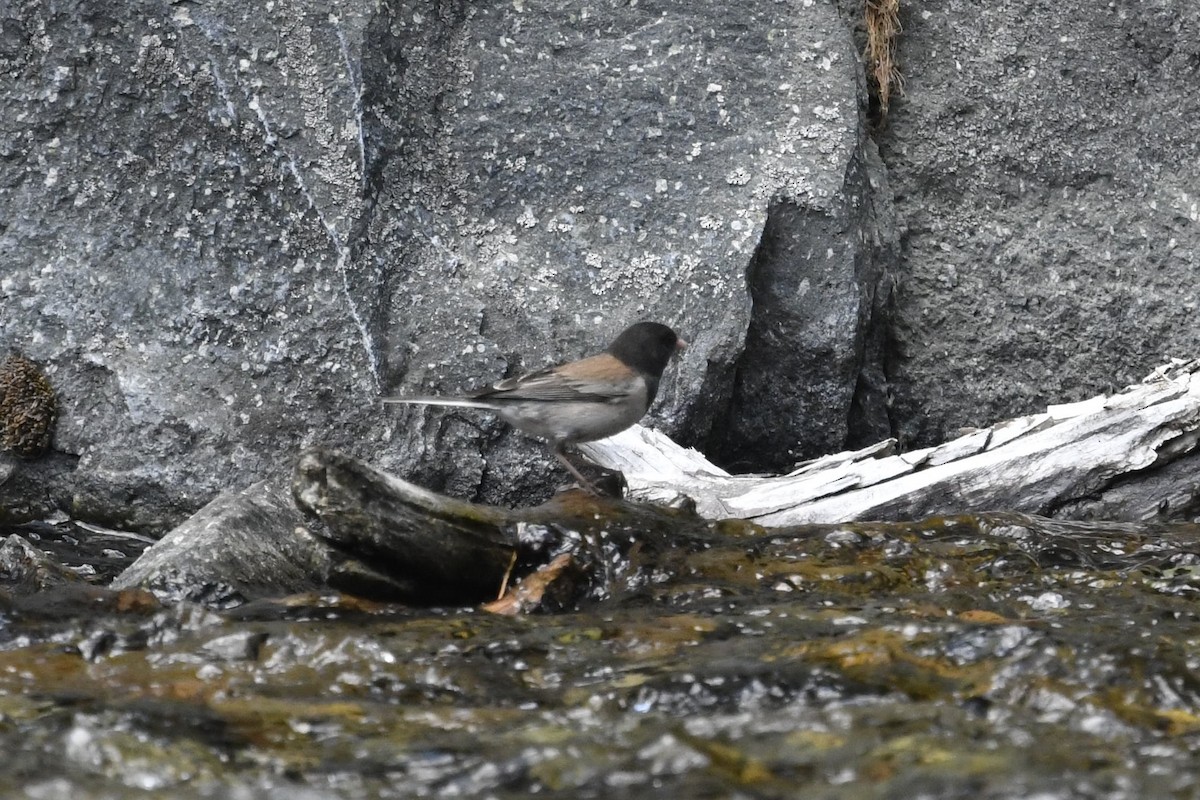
{"x":1045,"y":464}
{"x":527,"y":595}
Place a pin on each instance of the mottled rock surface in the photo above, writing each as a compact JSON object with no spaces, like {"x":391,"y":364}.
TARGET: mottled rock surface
{"x":179,"y":183}
{"x":230,"y":228}
{"x":581,"y":167}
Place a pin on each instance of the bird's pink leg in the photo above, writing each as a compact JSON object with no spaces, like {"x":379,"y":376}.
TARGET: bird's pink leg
{"x":584,"y":482}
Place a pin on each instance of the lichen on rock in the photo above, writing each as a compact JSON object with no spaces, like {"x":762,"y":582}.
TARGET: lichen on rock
{"x":28,"y":407}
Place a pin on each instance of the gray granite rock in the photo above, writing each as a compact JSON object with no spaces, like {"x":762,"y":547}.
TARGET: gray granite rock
{"x":231,"y":227}
{"x":580,"y":168}
{"x":811,"y":380}
{"x":1046,"y":165}
{"x":241,"y":546}
{"x":179,"y":183}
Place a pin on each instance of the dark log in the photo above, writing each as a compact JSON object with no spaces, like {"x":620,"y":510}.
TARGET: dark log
{"x":441,"y":549}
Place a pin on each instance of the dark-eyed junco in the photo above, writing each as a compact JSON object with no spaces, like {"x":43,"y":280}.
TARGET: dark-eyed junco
{"x":579,"y":401}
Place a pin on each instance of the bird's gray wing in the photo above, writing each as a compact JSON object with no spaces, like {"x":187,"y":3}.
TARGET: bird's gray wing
{"x":596,"y":379}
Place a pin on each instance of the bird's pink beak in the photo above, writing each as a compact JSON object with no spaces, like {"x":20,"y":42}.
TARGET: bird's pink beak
{"x":680,"y":344}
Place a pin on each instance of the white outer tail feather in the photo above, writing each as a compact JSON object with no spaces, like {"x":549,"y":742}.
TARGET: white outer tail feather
{"x":461,"y":402}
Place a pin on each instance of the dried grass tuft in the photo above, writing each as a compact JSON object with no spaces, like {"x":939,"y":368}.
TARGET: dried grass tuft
{"x":882,"y":20}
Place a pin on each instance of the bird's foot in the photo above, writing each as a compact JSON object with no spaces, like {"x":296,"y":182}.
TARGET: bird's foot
{"x":608,"y":484}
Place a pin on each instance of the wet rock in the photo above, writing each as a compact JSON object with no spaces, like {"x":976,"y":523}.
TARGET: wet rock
{"x":239,"y":646}
{"x":888,"y":659}
{"x":361,"y":531}
{"x":25,"y":569}
{"x":240,"y":546}
{"x":79,"y":603}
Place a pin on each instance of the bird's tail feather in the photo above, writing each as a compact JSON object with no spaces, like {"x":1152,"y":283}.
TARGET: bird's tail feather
{"x":461,"y":402}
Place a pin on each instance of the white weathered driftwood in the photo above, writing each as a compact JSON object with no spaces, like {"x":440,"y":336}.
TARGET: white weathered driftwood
{"x":1066,"y":460}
